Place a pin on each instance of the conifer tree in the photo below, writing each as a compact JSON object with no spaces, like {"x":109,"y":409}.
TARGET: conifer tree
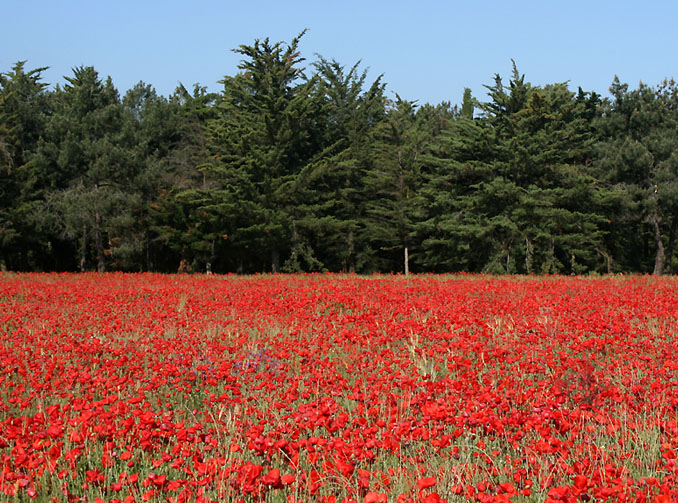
{"x":85,"y":161}
{"x":467,"y":105}
{"x":24,"y":108}
{"x":393,"y":184}
{"x":259,"y":144}
{"x":512,"y":191}
{"x":333,"y":181}
{"x":170,"y":148}
{"x":638,"y":158}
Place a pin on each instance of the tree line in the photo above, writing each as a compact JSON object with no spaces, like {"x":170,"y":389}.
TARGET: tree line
{"x":314,"y":168}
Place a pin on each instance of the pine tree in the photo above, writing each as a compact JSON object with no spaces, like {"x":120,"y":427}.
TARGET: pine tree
{"x":24,"y":108}
{"x":393,"y":184}
{"x":332,"y":204}
{"x":86,"y":167}
{"x":638,"y":158}
{"x":260,"y":143}
{"x":170,"y":148}
{"x":512,"y":190}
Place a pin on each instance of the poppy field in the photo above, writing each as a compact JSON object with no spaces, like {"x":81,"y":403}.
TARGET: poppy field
{"x":331,"y":388}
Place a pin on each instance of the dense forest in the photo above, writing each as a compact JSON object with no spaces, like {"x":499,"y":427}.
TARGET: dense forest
{"x":298,"y":166}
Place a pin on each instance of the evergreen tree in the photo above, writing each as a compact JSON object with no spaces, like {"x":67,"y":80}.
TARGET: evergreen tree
{"x":332,"y":183}
{"x":638,"y":158}
{"x":260,"y":143}
{"x":467,"y":105}
{"x":280,"y":172}
{"x":512,"y":191}
{"x":24,"y":109}
{"x":394,"y":182}
{"x":86,"y":167}
{"x":170,"y":148}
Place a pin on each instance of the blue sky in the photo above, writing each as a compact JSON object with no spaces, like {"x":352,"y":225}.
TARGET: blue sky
{"x":426,"y":50}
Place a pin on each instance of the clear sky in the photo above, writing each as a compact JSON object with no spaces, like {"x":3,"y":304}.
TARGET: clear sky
{"x":426,"y":50}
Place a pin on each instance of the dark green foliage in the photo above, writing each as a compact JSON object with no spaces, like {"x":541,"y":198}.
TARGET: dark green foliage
{"x":86,"y":167}
{"x":467,"y":105}
{"x":393,"y":184}
{"x":332,"y":210}
{"x":638,"y":156}
{"x":172,"y":152}
{"x":24,"y":110}
{"x":511,"y":190}
{"x":259,"y":143}
{"x":314,"y":169}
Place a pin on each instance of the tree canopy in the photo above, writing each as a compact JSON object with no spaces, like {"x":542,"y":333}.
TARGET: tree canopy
{"x":311,"y":166}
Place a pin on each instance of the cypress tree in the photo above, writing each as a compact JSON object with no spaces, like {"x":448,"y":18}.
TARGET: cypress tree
{"x":259,"y":145}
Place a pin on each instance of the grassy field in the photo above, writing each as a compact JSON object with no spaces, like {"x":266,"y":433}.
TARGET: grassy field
{"x":328,"y":388}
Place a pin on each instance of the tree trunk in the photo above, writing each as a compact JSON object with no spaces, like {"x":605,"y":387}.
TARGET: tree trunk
{"x":99,"y":243}
{"x":552,"y":257}
{"x":351,"y":252}
{"x":208,"y":266}
{"x":669,"y":249}
{"x":275,"y":259}
{"x":508,"y":257}
{"x":295,"y":265}
{"x":83,"y":249}
{"x":149,"y":264}
{"x":608,"y":259}
{"x":660,"y":255}
{"x":528,"y":256}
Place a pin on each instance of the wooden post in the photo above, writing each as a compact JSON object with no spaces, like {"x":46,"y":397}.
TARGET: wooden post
{"x":407,"y":263}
